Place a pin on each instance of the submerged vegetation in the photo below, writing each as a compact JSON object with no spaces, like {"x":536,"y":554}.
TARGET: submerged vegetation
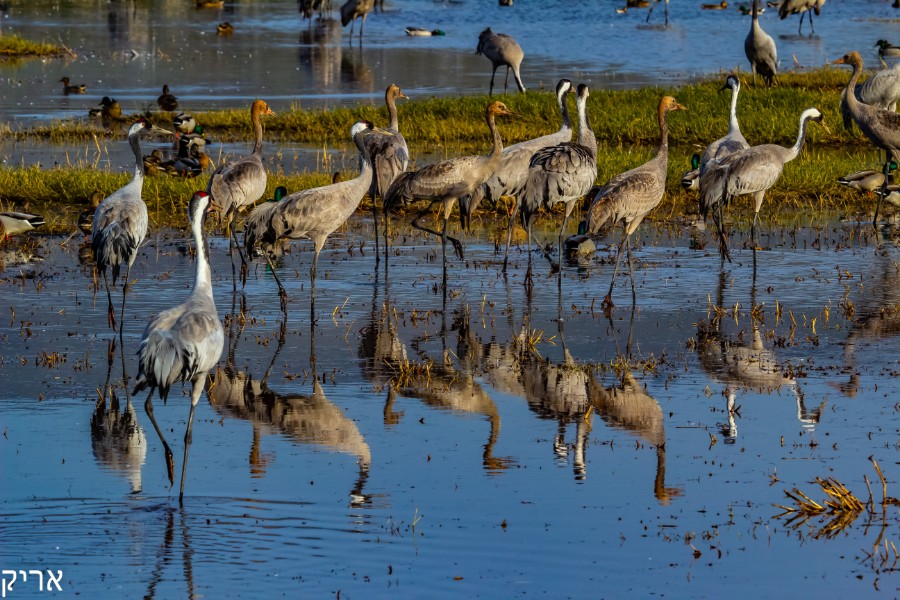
{"x":12,"y":46}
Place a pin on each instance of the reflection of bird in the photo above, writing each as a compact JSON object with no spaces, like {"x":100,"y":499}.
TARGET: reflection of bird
{"x":184,"y":342}
{"x":760,"y":50}
{"x":882,"y":127}
{"x":750,"y":171}
{"x":631,"y":196}
{"x":72,"y":89}
{"x":389,"y":155}
{"x":86,"y":218}
{"x":512,"y":172}
{"x":225,"y":28}
{"x":501,"y":50}
{"x":447,"y":181}
{"x":315,"y":213}
{"x":120,"y":222}
{"x":734,"y":140}
{"x":167,"y":101}
{"x":242,"y":181}
{"x":793,"y":7}
{"x":887,"y":49}
{"x":562,"y":173}
{"x":117,"y":440}
{"x":308,"y":8}
{"x":354,"y":9}
{"x":881,"y":90}
{"x":14,"y":223}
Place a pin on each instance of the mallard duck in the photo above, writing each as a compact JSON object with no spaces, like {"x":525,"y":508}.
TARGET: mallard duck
{"x":622,"y":10}
{"x":167,"y":101}
{"x":210,"y":3}
{"x":192,"y":165}
{"x":580,"y":244}
{"x":867,"y":180}
{"x":184,"y":123}
{"x":86,"y":218}
{"x":14,"y":223}
{"x":506,"y":2}
{"x":691,"y":179}
{"x":887,"y":49}
{"x":418,"y":31}
{"x":748,"y":10}
{"x":110,"y":111}
{"x":225,"y":28}
{"x":890,"y":194}
{"x":720,"y":6}
{"x":72,"y":89}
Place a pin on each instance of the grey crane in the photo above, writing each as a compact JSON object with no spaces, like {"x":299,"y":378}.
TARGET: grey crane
{"x":562,"y":173}
{"x":630,"y":196}
{"x":793,"y":7}
{"x":120,"y":222}
{"x":389,"y":155}
{"x":512,"y":173}
{"x":185,"y":342}
{"x":881,"y":90}
{"x":354,"y":9}
{"x":315,"y":213}
{"x":760,"y":50}
{"x":749,"y":172}
{"x":731,"y":142}
{"x":241,"y":182}
{"x":882,"y":127}
{"x":309,"y":7}
{"x":502,"y":50}
{"x":446,"y":182}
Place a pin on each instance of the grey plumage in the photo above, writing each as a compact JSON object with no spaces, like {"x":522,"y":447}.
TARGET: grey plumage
{"x":389,"y":156}
{"x":502,"y":50}
{"x":562,"y":173}
{"x":120,"y":221}
{"x":881,"y":90}
{"x":631,"y":196}
{"x":882,"y":127}
{"x":760,"y":50}
{"x":315,"y":213}
{"x":185,"y":342}
{"x":734,"y":140}
{"x":750,"y":172}
{"x":447,"y":181}
{"x":354,"y":9}
{"x":793,"y":7}
{"x":512,"y":173}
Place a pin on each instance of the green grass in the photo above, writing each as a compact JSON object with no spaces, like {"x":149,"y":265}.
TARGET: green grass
{"x":14,"y":46}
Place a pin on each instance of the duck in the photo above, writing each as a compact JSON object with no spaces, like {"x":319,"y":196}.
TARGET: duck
{"x":720,"y":6}
{"x":14,"y":223}
{"x":225,"y":28}
{"x":887,"y":49}
{"x":622,"y":11}
{"x":890,"y":194}
{"x":192,"y":165}
{"x":184,"y":123}
{"x":580,"y":244}
{"x":156,"y":162}
{"x":86,"y":218}
{"x":691,"y":179}
{"x":167,"y":101}
{"x":506,"y":2}
{"x":418,"y":31}
{"x":748,"y":10}
{"x":110,"y":111}
{"x":637,"y":3}
{"x":867,"y":180}
{"x":79,"y":88}
{"x":210,"y":3}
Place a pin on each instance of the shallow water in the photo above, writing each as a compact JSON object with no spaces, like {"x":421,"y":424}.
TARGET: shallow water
{"x":129,"y":49}
{"x":506,"y":469}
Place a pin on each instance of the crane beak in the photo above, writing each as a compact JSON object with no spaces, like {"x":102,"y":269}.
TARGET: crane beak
{"x":379,"y":130}
{"x":679,"y":107}
{"x":160,"y":130}
{"x":840,"y":61}
{"x":269,"y":111}
{"x":404,"y":96}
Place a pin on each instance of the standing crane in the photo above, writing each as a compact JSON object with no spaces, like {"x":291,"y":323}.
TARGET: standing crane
{"x":120,"y":222}
{"x":881,"y":90}
{"x":562,"y":173}
{"x":354,"y":9}
{"x":882,"y":127}
{"x":502,"y":50}
{"x":631,"y":196}
{"x":241,"y":182}
{"x":389,"y":156}
{"x":185,"y":342}
{"x":731,"y":142}
{"x":760,"y":50}
{"x":446,"y":182}
{"x":793,"y":7}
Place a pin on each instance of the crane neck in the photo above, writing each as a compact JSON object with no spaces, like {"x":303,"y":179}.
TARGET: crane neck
{"x":497,"y":150}
{"x":733,"y":126}
{"x":202,"y":275}
{"x":755,"y":12}
{"x":564,"y":109}
{"x":852,"y":101}
{"x":801,"y":137}
{"x":663,"y":130}
{"x":134,"y":142}
{"x":257,"y":130}
{"x":394,"y":124}
{"x":365,"y":161}
{"x":586,"y":136}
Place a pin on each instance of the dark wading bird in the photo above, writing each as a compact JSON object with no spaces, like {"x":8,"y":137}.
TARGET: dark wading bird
{"x":446,"y":182}
{"x":748,"y":172}
{"x":501,"y":50}
{"x":793,"y":7}
{"x":354,"y":9}
{"x":185,"y":342}
{"x":314,"y":214}
{"x":562,"y":173}
{"x":882,"y":127}
{"x":631,"y":196}
{"x":512,"y":173}
{"x":241,"y":182}
{"x":120,"y":222}
{"x":760,"y":50}
{"x":389,"y":156}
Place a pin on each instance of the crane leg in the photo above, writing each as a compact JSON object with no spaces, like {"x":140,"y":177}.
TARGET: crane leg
{"x":457,"y":246}
{"x":886,"y":170}
{"x":607,"y":301}
{"x":559,"y":244}
{"x":196,"y":390}
{"x":375,"y":217}
{"x":110,"y":313}
{"x":361,"y":25}
{"x":170,"y":461}
{"x":506,"y":81}
{"x":387,"y":242}
{"x":631,"y":270}
{"x":491,"y":92}
{"x":124,"y":295}
{"x":282,"y":294}
{"x":312,"y":278}
{"x":509,"y":230}
{"x":444,"y":255}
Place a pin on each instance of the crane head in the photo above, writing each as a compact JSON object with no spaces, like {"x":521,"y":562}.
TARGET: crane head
{"x":851,"y":58}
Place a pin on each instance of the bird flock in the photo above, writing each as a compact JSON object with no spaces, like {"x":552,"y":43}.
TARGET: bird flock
{"x":185,"y":343}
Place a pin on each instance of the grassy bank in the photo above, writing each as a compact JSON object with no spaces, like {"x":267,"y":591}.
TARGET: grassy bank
{"x":12,"y":46}
{"x":626,"y":118}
